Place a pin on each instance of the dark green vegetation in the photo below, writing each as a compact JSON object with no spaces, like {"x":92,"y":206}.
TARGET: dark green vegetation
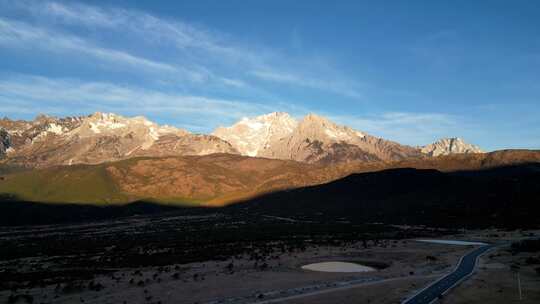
{"x":527,"y":246}
{"x":79,"y":183}
{"x":506,"y":197}
{"x":14,"y":212}
{"x":531,"y":245}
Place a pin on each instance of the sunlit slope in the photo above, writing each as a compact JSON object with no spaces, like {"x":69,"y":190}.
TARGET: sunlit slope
{"x":212,"y":180}
{"x":73,"y":184}
{"x":195,"y":180}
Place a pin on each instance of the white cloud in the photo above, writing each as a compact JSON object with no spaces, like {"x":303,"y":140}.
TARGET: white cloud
{"x":234,"y":82}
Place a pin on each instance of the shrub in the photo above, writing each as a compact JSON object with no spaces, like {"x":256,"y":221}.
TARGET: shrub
{"x":526,"y":246}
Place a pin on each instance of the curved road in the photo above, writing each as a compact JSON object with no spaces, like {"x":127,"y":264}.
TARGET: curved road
{"x":465,"y":268}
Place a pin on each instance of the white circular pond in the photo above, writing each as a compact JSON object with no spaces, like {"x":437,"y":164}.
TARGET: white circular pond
{"x":337,"y":267}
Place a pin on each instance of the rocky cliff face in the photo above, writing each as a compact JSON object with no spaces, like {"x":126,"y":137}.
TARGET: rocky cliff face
{"x":448,"y":146}
{"x":101,"y":137}
{"x":5,"y":142}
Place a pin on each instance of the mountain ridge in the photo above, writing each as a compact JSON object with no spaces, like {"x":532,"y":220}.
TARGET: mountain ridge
{"x":317,"y":139}
{"x":103,"y":137}
{"x":451,"y":145}
{"x":100,"y":137}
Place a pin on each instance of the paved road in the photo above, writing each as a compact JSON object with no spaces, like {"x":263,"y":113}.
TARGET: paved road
{"x":465,"y":268}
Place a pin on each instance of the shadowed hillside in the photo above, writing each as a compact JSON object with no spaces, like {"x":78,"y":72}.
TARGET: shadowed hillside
{"x":14,"y":212}
{"x":219,"y":179}
{"x":504,"y":197}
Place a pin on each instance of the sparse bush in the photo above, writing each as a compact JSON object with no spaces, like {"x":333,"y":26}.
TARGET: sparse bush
{"x":430,"y":258}
{"x":532,"y":260}
{"x":95,"y":286}
{"x":526,"y":246}
{"x":72,"y":287}
{"x":21,"y":298}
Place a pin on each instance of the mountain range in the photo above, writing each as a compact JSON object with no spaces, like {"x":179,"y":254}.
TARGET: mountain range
{"x":104,"y":137}
{"x":110,"y":159}
{"x":101,"y":137}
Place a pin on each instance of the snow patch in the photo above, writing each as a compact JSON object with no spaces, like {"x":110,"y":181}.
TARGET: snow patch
{"x":39,"y":136}
{"x":56,"y":129}
{"x":94,"y":128}
{"x":251,"y":135}
{"x":330,"y":133}
{"x":110,"y":125}
{"x":252,"y":153}
{"x":153,"y":133}
{"x":254,"y":125}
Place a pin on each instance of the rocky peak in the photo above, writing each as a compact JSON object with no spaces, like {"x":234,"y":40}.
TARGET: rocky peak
{"x":315,"y":127}
{"x":250,"y":136}
{"x":447,"y":146}
{"x":43,"y":118}
{"x":315,"y":120}
{"x":110,"y":124}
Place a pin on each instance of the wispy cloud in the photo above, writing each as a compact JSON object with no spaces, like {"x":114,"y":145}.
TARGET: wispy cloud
{"x":19,"y":95}
{"x":148,"y":26}
{"x":204,"y":55}
{"x":14,"y":33}
{"x":324,"y":85}
{"x":62,"y":96}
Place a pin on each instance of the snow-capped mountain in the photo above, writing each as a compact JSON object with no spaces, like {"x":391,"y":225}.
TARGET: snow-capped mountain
{"x":447,"y":146}
{"x":100,"y":137}
{"x":251,"y":136}
{"x":103,"y":137}
{"x":313,"y":139}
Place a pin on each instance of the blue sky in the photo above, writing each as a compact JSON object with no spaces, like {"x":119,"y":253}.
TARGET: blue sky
{"x":410,"y":71}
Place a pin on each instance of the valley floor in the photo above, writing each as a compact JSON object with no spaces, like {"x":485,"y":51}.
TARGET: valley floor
{"x":218,"y":258}
{"x":496,"y":281}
